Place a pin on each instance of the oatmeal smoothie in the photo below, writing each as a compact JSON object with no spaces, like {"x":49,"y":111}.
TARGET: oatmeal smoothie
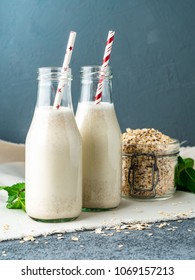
{"x":53,"y":165}
{"x":101,"y":136}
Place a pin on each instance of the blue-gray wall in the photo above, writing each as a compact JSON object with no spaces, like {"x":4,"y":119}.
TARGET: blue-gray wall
{"x":153,"y":58}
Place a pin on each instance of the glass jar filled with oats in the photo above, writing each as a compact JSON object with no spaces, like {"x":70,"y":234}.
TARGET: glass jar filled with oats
{"x":148,"y":164}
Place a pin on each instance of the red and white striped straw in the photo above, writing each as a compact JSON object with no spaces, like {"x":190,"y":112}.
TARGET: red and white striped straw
{"x":106,"y":58}
{"x":67,"y":58}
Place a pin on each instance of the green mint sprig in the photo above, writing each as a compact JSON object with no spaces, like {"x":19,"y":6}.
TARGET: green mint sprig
{"x":185,"y":175}
{"x":16,"y":196}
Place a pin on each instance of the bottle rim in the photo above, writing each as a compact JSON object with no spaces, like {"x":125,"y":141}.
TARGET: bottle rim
{"x":95,"y":71}
{"x":53,"y":73}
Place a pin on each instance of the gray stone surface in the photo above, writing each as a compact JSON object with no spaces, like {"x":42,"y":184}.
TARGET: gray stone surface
{"x":175,"y":241}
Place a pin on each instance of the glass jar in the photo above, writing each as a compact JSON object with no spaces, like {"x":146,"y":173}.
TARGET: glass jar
{"x":148,"y":171}
{"x":101,"y":137}
{"x":53,"y":171}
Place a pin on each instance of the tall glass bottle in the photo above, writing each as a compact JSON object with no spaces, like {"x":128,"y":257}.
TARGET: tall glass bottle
{"x":101,"y":137}
{"x":53,"y":154}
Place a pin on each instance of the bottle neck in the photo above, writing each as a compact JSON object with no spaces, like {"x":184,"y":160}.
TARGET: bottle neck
{"x":90,"y":77}
{"x":48,"y":81}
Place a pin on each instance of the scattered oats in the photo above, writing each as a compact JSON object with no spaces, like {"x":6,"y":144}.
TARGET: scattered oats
{"x":117,"y":227}
{"x":164,"y":214}
{"x":74,"y":238}
{"x":162,"y":225}
{"x":3,"y":252}
{"x":36,"y":241}
{"x":28,"y":238}
{"x":98,"y":231}
{"x":108,"y":234}
{"x":176,"y":214}
{"x":126,"y":232}
{"x":45,"y":242}
{"x":171,"y":229}
{"x":59,"y":236}
{"x":150,"y":234}
{"x":179,"y":221}
{"x":120,"y":245}
{"x":54,"y":231}
{"x":124,"y":227}
{"x":82,"y":246}
{"x":181,"y":215}
{"x":121,"y":227}
{"x":189,"y":230}
{"x":4,"y":255}
{"x":6,"y":227}
{"x":139,"y":226}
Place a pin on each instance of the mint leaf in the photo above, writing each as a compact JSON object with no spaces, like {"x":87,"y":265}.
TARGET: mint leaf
{"x":189,"y":162}
{"x":16,"y":196}
{"x":181,"y":164}
{"x":185,"y":175}
{"x":188,"y":177}
{"x":178,"y":169}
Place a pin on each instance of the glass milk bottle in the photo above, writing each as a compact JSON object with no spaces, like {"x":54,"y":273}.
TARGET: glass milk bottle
{"x":101,"y":137}
{"x":53,"y":154}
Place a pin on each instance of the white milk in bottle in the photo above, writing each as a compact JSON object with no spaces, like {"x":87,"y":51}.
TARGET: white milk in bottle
{"x":101,"y":137}
{"x":53,"y":155}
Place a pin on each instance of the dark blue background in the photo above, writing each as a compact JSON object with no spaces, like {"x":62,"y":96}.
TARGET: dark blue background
{"x":153,"y":58}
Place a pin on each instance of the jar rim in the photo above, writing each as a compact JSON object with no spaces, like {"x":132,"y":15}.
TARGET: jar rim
{"x":174,"y":142}
{"x":169,"y":149}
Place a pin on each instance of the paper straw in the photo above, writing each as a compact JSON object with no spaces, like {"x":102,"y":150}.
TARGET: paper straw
{"x":67,"y":58}
{"x":106,"y":58}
